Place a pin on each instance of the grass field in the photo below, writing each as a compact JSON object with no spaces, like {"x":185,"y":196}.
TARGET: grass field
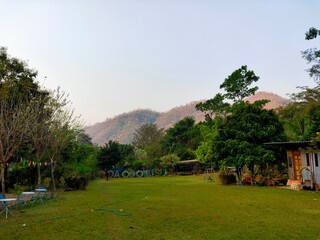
{"x":169,"y":208}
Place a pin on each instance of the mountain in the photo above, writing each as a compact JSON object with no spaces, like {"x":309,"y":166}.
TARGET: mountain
{"x":275,"y":100}
{"x":122,"y":127}
{"x":168,"y":119}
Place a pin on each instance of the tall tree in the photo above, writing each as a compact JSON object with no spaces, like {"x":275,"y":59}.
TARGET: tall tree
{"x":39,"y":134}
{"x":238,"y":136}
{"x":213,"y":107}
{"x":182,"y":139}
{"x":237,"y":85}
{"x":301,"y":118}
{"x":148,"y":137}
{"x":63,"y":128}
{"x":243,"y":133}
{"x":312,"y":55}
{"x":109,"y":155}
{"x":18,"y":90}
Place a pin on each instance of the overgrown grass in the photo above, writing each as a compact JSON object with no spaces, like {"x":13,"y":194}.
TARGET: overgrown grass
{"x":169,"y":208}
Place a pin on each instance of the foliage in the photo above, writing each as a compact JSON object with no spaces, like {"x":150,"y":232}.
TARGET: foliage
{"x":271,"y":177}
{"x":301,"y":118}
{"x":226,"y":178}
{"x":146,"y":135}
{"x":237,"y":85}
{"x":206,"y":152}
{"x":169,"y":161}
{"x":34,"y":122}
{"x":182,"y":139}
{"x":19,"y":100}
{"x":84,"y":138}
{"x":213,"y":107}
{"x":148,"y":138}
{"x":243,"y":133}
{"x":47,"y":183}
{"x":114,"y":153}
{"x":312,"y":55}
{"x":237,"y":137}
{"x":17,"y":189}
{"x":82,"y":162}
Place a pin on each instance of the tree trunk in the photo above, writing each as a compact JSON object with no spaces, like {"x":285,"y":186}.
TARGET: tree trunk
{"x":39,"y":174}
{"x":53,"y":190}
{"x":3,"y":181}
{"x":239,"y":175}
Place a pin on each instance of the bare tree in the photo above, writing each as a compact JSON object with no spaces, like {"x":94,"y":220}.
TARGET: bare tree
{"x":63,"y":129}
{"x":39,"y":134}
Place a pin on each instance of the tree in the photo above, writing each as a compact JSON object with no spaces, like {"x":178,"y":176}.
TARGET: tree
{"x":18,"y":90}
{"x":81,"y":164}
{"x":169,"y":161}
{"x":113,"y":153}
{"x":148,"y":138}
{"x":213,"y":107}
{"x":63,"y":128}
{"x":182,"y":139}
{"x":237,"y":137}
{"x":312,"y":55}
{"x":237,"y":84}
{"x":301,"y":118}
{"x":243,"y":133}
{"x":206,"y":152}
{"x":146,"y":135}
{"x":84,"y":138}
{"x":39,"y":134}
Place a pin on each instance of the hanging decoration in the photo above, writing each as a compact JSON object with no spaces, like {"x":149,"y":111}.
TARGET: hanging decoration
{"x":19,"y":162}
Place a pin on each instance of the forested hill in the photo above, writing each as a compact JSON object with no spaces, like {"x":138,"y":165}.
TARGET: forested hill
{"x":122,"y":127}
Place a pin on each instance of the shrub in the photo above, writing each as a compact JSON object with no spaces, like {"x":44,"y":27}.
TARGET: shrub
{"x":79,"y":183}
{"x":226,"y":178}
{"x":47,"y":183}
{"x":271,"y":177}
{"x":17,"y":189}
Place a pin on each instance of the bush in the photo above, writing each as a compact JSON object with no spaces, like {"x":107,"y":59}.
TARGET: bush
{"x":76,"y":183}
{"x":47,"y":183}
{"x":226,"y":178}
{"x":271,"y":177}
{"x":17,"y":189}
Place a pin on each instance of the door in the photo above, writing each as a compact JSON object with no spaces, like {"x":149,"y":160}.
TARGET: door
{"x":316,"y":167}
{"x":306,"y":171}
{"x":297,"y":167}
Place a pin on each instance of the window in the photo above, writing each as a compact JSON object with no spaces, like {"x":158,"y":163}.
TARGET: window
{"x":316,"y":159}
{"x":308,"y":160}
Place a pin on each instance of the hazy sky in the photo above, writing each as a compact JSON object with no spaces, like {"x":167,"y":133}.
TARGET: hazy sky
{"x":115,"y":56}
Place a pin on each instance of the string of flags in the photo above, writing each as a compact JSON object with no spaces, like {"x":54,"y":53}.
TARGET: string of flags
{"x":23,"y":163}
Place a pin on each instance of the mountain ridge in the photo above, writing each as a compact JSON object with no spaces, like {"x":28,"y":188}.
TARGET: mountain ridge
{"x":122,"y":127}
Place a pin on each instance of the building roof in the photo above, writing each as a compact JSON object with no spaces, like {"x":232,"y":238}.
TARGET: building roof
{"x":188,"y":161}
{"x":290,"y":144}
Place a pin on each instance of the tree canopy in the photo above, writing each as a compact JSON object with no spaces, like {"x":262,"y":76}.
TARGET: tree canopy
{"x":312,"y":55}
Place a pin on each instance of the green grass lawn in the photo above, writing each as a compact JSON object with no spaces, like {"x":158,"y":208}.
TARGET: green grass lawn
{"x":169,"y":208}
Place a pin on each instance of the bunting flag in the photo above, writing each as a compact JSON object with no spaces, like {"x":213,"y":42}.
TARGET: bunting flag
{"x":19,"y":162}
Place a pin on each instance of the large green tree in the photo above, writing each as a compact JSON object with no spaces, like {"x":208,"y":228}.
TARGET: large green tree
{"x":238,"y":84}
{"x":312,"y":55}
{"x":238,"y":135}
{"x":113,"y":154}
{"x":301,"y":117}
{"x":19,"y":94}
{"x":182,"y":139}
{"x":242,"y":135}
{"x":148,"y":137}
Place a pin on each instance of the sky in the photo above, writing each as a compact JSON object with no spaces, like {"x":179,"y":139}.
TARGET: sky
{"x":116,"y":56}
